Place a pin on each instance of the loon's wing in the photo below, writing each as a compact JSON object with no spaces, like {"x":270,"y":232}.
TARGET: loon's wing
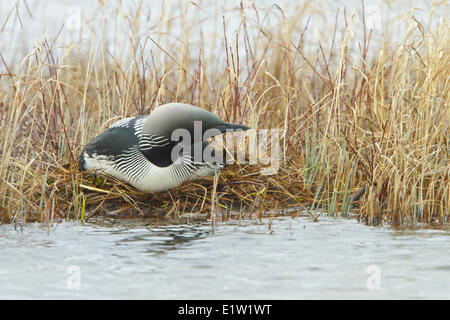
{"x":119,"y":137}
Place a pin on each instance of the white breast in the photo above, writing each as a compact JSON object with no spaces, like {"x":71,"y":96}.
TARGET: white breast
{"x":150,"y":178}
{"x":156,"y":180}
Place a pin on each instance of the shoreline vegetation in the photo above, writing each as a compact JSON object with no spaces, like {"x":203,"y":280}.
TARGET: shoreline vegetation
{"x":358,"y":118}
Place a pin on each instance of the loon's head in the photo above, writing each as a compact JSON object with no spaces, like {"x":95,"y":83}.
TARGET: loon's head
{"x":159,"y":134}
{"x":164,"y":120}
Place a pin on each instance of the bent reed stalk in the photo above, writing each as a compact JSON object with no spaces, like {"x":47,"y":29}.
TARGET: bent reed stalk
{"x":353,"y":114}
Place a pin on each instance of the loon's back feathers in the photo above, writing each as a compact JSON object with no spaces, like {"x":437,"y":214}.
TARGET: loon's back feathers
{"x":121,"y":135}
{"x":139,"y":150}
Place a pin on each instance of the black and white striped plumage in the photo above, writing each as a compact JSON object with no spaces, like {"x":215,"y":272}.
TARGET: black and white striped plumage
{"x":138,"y":150}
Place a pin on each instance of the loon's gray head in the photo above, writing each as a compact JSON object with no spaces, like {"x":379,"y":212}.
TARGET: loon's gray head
{"x":157,"y":140}
{"x":164,"y":120}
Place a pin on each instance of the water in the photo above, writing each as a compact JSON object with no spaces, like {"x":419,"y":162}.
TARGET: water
{"x":289,"y":258}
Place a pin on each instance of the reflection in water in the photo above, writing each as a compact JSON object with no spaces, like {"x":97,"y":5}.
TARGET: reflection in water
{"x":156,"y":235}
{"x":164,"y":239}
{"x":288,"y":258}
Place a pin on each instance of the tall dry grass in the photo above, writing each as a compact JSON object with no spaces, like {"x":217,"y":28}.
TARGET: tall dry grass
{"x":353,"y":114}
